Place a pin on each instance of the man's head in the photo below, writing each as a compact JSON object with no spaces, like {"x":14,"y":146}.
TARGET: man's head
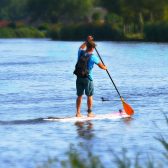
{"x":90,"y":44}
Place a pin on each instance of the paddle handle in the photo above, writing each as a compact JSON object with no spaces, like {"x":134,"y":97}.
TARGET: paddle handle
{"x":110,"y":76}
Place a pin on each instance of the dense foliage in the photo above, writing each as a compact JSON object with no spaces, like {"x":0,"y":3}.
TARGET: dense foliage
{"x":22,"y":32}
{"x":156,"y":32}
{"x":127,"y":16}
{"x":78,"y":32}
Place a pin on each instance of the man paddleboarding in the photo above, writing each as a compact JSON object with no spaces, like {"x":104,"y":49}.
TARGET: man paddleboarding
{"x":83,"y":71}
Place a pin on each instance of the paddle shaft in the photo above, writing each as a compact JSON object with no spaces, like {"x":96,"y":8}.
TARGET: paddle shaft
{"x":109,"y":75}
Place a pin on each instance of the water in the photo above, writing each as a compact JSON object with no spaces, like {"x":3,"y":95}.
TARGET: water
{"x":36,"y":82}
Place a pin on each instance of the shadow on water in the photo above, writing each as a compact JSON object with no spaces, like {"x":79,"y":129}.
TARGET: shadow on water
{"x":29,"y":121}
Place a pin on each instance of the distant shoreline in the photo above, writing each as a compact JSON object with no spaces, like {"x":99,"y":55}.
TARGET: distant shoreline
{"x":100,"y":33}
{"x":130,"y":41}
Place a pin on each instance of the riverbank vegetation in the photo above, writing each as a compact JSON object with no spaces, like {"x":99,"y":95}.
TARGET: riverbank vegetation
{"x":83,"y":157}
{"x":74,"y":19}
{"x":86,"y":159}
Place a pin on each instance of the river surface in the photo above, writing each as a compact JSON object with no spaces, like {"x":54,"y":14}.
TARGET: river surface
{"x":37,"y":81}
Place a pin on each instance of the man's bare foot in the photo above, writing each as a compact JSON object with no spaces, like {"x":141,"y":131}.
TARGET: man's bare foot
{"x":78,"y":115}
{"x":91,"y":114}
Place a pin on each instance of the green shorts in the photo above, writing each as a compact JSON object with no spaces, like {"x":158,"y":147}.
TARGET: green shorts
{"x":84,"y":84}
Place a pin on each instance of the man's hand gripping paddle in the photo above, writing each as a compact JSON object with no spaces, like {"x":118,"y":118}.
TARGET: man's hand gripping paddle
{"x":128,"y":109}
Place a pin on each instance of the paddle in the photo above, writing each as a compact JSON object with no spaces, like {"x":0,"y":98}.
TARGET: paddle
{"x":128,"y":109}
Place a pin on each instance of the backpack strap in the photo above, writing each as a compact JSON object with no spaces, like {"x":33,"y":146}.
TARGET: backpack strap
{"x":88,"y":55}
{"x":85,"y":53}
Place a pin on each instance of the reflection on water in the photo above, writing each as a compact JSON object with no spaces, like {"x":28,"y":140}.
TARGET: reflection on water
{"x":85,"y":130}
{"x":127,"y":120}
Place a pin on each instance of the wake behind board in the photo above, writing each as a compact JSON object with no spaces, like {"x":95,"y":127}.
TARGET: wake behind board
{"x":110,"y":116}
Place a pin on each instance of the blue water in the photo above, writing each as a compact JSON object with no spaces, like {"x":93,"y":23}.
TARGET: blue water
{"x":37,"y":81}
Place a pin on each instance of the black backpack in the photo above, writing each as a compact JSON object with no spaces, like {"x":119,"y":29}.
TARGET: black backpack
{"x":81,"y":67}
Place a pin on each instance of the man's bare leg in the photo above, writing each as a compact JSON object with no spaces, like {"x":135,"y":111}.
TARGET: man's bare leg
{"x":90,"y":104}
{"x":78,"y":106}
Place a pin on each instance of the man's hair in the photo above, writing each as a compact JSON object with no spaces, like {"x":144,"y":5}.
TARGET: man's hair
{"x":90,"y":45}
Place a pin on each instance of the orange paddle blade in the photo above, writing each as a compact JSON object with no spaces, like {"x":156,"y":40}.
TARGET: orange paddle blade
{"x":128,"y":109}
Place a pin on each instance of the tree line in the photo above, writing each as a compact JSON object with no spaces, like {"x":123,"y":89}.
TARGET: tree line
{"x":126,"y":16}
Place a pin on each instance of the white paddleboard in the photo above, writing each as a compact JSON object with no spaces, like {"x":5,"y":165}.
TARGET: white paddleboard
{"x":110,"y":116}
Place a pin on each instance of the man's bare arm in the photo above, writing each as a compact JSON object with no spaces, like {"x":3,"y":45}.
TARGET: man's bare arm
{"x":83,"y":46}
{"x":102,"y":66}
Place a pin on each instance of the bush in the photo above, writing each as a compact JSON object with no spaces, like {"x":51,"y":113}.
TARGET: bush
{"x":7,"y":33}
{"x":44,"y":27}
{"x":29,"y":33}
{"x":81,"y":156}
{"x":22,"y":32}
{"x":79,"y":32}
{"x":96,"y":17}
{"x":17,"y":24}
{"x":54,"y":31}
{"x":74,"y":160}
{"x":156,"y":32}
{"x":115,"y":20}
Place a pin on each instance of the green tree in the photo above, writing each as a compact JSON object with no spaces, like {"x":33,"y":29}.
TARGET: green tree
{"x":3,"y":10}
{"x":112,"y":5}
{"x":154,"y":12}
{"x":59,"y":10}
{"x":115,"y":20}
{"x":165,"y":17}
{"x":13,"y":9}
